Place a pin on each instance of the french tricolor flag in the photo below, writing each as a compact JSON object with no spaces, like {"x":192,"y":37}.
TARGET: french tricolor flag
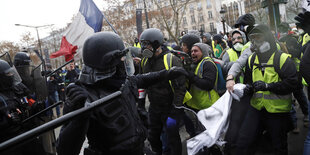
{"x":87,"y":22}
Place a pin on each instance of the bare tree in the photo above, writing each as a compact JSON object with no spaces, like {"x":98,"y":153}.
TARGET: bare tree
{"x":260,"y":14}
{"x":7,"y":46}
{"x":27,"y":39}
{"x":293,"y":6}
{"x":118,"y":15}
{"x":170,"y":16}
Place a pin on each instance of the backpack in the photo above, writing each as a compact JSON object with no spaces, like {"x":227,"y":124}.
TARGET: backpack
{"x":276,"y":62}
{"x":221,"y":82}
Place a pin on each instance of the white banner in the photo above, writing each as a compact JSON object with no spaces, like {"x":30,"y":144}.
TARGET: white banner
{"x":306,"y":4}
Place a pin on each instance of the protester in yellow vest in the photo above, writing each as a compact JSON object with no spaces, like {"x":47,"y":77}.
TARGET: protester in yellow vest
{"x":238,"y":41}
{"x":203,"y":79}
{"x":137,"y":44}
{"x":272,"y":87}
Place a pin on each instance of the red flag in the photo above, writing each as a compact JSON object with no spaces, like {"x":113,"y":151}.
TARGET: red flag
{"x":66,"y":49}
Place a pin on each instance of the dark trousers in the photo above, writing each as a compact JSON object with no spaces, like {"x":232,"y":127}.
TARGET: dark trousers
{"x":276,"y":124}
{"x":302,"y":100}
{"x":158,"y":121}
{"x":238,"y":113}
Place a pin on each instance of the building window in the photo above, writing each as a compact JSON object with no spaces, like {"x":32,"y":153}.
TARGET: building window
{"x":209,"y":4}
{"x":202,"y":27}
{"x":193,"y":19}
{"x":194,"y":28}
{"x":201,"y":19}
{"x":184,"y":21}
{"x":210,"y":14}
{"x":212,"y":27}
{"x":191,"y":8}
{"x":199,"y":7}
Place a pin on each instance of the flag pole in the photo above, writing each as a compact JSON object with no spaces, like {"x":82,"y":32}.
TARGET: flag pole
{"x":109,"y":23}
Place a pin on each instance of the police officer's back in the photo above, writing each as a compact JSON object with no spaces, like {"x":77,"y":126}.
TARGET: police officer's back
{"x":114,"y":127}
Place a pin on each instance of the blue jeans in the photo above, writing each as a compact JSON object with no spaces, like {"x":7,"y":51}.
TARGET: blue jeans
{"x":307,"y":141}
{"x":302,"y":100}
{"x":55,"y":98}
{"x":293,"y":116}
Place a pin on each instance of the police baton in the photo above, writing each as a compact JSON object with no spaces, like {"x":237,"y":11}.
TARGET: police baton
{"x":42,"y":111}
{"x":59,"y":68}
{"x":55,"y":123}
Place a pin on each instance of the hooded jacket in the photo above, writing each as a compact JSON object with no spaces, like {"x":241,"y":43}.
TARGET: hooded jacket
{"x":289,"y":78}
{"x":209,"y":71}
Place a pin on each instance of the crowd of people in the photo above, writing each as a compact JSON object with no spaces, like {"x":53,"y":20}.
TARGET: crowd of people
{"x":190,"y":75}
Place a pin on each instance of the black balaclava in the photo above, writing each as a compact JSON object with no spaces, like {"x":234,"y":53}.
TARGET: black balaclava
{"x":264,"y":29}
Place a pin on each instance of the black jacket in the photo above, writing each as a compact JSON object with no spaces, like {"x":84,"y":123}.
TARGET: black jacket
{"x":113,"y":128}
{"x":305,"y":64}
{"x":161,"y":95}
{"x":208,"y":79}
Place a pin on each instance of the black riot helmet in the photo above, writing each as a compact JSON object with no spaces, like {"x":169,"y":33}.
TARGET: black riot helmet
{"x":151,"y":36}
{"x":22,"y":64}
{"x":102,"y":52}
{"x":246,"y":19}
{"x":6,"y":75}
{"x":22,"y":59}
{"x":190,"y":39}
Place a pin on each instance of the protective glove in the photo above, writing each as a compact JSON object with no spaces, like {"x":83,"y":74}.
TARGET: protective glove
{"x":15,"y":116}
{"x":77,"y":96}
{"x":175,"y":72}
{"x":303,"y":21}
{"x":248,"y":90}
{"x":260,"y":86}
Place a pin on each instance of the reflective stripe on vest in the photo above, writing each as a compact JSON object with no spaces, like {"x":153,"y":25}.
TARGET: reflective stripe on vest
{"x":168,"y":65}
{"x":273,"y":103}
{"x":202,"y":99}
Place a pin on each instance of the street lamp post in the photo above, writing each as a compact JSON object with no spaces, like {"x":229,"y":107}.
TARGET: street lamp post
{"x":222,"y":12}
{"x":39,"y":42}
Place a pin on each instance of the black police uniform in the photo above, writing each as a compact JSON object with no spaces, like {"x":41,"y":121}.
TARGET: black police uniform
{"x":162,"y":98}
{"x":115,"y":127}
{"x":12,"y":112}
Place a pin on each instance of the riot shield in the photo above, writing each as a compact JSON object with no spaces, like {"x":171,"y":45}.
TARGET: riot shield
{"x":39,"y":83}
{"x":25,"y":73}
{"x":129,"y":66}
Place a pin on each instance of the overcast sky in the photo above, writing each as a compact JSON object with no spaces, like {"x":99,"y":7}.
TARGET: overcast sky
{"x":36,"y":13}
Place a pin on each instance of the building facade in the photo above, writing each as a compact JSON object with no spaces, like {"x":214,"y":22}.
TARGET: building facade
{"x":201,"y":15}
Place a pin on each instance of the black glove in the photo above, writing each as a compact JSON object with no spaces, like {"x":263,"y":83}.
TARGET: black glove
{"x":175,"y":72}
{"x":260,"y":86}
{"x":303,"y":21}
{"x":15,"y":117}
{"x":76,"y":95}
{"x":248,"y":90}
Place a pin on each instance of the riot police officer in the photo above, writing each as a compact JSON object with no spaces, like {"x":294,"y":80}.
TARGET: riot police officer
{"x":12,"y":113}
{"x":114,"y":128}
